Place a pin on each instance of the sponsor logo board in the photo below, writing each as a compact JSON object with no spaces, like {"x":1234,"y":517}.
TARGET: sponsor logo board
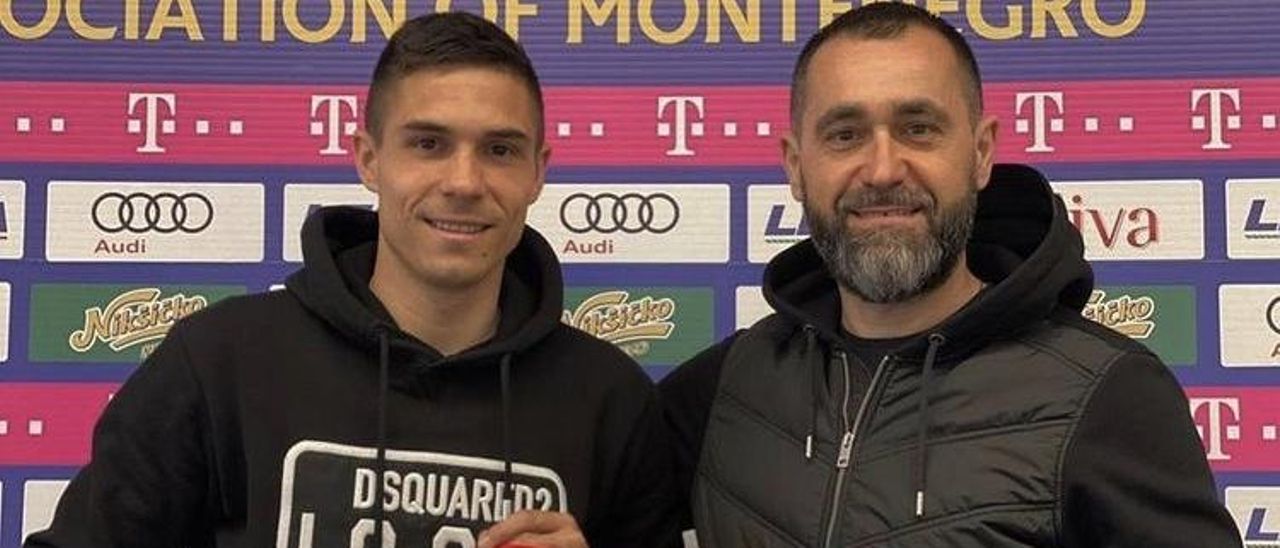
{"x":1249,"y":325}
{"x":1161,"y":317}
{"x":1137,"y":220}
{"x":149,"y":222}
{"x":39,"y":500}
{"x":635,"y":223}
{"x":111,"y":323}
{"x":1257,"y":514}
{"x":775,"y":221}
{"x":1253,"y":218}
{"x":301,"y":200}
{"x":654,"y":325}
{"x":12,"y":218}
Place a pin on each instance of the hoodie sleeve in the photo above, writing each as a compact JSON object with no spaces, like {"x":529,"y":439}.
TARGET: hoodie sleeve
{"x":1135,"y":473}
{"x":687,"y":394}
{"x":641,"y":508}
{"x":147,"y":482}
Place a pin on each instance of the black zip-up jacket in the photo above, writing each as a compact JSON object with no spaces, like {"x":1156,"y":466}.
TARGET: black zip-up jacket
{"x":1013,"y":423}
{"x":268,"y":420}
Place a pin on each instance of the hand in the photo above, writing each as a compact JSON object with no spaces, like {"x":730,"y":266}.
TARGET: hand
{"x":533,"y":529}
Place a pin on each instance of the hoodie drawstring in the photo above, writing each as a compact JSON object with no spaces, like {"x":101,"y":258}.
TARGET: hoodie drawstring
{"x":936,"y":340}
{"x":815,"y":383}
{"x":504,"y":374}
{"x":383,"y":382}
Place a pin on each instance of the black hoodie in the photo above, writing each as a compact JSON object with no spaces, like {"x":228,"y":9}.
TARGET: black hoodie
{"x":1045,"y":429}
{"x":266,"y":421}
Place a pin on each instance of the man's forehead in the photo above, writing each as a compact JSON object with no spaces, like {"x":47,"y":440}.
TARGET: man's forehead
{"x":902,"y":73}
{"x":464,"y":97}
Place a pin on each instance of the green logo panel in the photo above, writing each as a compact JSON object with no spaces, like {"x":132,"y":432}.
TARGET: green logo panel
{"x":1162,"y":317}
{"x":111,"y":323}
{"x":654,"y":325}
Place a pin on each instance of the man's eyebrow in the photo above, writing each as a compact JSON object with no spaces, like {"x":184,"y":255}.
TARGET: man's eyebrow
{"x":840,"y":113}
{"x":514,"y":134}
{"x":425,"y":126}
{"x":917,"y":107}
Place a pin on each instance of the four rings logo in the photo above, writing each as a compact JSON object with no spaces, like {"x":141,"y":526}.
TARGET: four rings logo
{"x":1273,"y":315}
{"x":629,"y":213}
{"x":163,"y":212}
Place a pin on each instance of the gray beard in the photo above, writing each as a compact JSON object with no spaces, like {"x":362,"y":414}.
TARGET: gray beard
{"x":890,"y":266}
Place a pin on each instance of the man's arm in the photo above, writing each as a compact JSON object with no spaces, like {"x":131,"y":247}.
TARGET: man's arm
{"x":147,"y":482}
{"x":635,"y":507}
{"x":642,"y":503}
{"x":687,"y":394}
{"x":1135,"y":473}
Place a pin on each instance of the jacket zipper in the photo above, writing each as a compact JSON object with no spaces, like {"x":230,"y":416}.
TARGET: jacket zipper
{"x":850,"y":435}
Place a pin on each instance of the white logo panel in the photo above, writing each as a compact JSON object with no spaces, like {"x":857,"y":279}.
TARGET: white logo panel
{"x":12,"y":218}
{"x":1249,"y":323}
{"x":1137,"y":220}
{"x":328,"y":488}
{"x":749,"y":306}
{"x":1253,"y":218}
{"x":300,"y":200}
{"x":150,"y":222}
{"x":39,"y":501}
{"x":775,"y":221}
{"x":635,"y":223}
{"x":1257,"y":514}
{"x":5,"y":293}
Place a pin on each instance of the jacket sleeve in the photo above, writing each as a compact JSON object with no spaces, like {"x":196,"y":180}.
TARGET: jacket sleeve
{"x":146,"y":484}
{"x":687,"y":394}
{"x":1135,"y":473}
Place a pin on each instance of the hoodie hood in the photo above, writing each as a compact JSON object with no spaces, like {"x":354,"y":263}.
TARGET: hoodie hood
{"x":1022,"y":245}
{"x":339,"y":245}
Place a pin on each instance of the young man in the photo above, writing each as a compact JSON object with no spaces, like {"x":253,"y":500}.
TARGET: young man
{"x":927,"y":380}
{"x":414,"y":386}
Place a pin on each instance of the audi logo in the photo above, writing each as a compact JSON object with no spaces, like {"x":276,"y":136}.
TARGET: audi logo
{"x":1273,"y":315}
{"x":630,"y":213}
{"x":164,"y":212}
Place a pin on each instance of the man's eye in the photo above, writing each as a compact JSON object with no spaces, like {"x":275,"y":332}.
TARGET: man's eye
{"x":841,"y":138}
{"x":502,"y":150}
{"x":921,"y":130}
{"x":426,"y":143}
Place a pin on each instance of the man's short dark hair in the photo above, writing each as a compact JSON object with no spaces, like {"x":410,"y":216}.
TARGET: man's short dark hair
{"x":882,"y":21}
{"x":447,"y":40}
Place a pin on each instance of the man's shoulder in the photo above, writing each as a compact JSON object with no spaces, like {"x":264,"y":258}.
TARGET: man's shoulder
{"x":263,"y":313}
{"x":701,"y":373}
{"x":592,"y":356}
{"x":1083,"y":343}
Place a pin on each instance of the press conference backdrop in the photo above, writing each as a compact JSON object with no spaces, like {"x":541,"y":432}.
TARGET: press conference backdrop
{"x":231,"y":121}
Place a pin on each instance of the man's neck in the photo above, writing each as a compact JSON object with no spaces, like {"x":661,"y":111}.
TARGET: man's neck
{"x":915,"y":315}
{"x":448,"y":319}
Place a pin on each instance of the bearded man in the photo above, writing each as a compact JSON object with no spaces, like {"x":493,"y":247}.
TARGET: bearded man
{"x":927,"y":380}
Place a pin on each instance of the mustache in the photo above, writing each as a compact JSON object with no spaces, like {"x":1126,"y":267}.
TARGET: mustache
{"x":896,"y":196}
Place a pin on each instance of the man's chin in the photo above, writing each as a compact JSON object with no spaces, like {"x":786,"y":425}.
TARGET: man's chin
{"x":452,"y":277}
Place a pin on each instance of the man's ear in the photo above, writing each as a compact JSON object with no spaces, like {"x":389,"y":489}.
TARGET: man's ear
{"x":791,"y":164}
{"x":984,"y":149}
{"x":366,"y":159}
